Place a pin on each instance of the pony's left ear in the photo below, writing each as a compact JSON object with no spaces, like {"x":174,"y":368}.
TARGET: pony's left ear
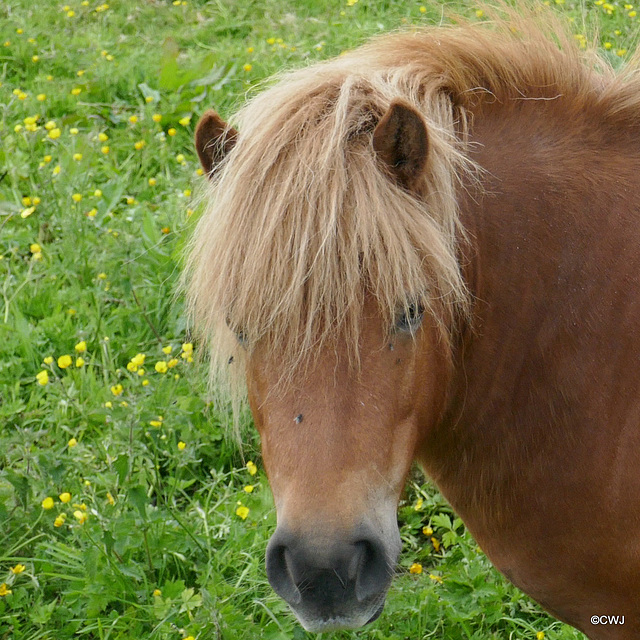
{"x":214,"y":139}
{"x":401,"y":142}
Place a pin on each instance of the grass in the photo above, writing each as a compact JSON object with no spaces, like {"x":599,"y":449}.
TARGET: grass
{"x":125,"y":510}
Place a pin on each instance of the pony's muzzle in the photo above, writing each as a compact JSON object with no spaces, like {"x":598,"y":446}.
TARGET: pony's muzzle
{"x":331,"y":584}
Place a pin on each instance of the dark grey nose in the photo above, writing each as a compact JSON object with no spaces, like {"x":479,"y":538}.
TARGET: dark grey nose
{"x":335,"y":580}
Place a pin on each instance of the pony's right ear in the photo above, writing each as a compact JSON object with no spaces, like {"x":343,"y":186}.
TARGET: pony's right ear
{"x":214,"y":139}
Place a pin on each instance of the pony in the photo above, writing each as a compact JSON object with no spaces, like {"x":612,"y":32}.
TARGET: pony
{"x":428,"y":249}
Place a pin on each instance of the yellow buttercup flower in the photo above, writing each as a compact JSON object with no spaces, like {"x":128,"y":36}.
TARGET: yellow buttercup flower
{"x":80,"y":362}
{"x":4,"y":590}
{"x":242,"y":512}
{"x":161,"y":367}
{"x":76,"y":197}
{"x":19,"y":568}
{"x":182,"y":445}
{"x":81,"y":347}
{"x":72,"y":443}
{"x":48,"y":360}
{"x":138,"y":359}
{"x":54,"y":133}
{"x":156,"y":117}
{"x":43,"y":378}
{"x":415,"y":568}
{"x":172,"y":132}
{"x":185,"y":121}
{"x":64,"y":361}
{"x":59,"y":521}
{"x":47,"y":503}
{"x":80,"y":516}
{"x":65,"y":497}
{"x":251,"y":468}
{"x":117,"y":389}
{"x":103,"y":137}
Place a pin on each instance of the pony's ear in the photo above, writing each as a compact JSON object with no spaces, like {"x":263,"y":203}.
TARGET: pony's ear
{"x":214,"y":139}
{"x":400,"y":140}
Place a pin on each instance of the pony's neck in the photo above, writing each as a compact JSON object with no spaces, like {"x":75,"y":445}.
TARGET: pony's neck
{"x":541,"y":235}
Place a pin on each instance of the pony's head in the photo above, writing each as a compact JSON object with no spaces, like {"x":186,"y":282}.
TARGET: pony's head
{"x":324,"y":271}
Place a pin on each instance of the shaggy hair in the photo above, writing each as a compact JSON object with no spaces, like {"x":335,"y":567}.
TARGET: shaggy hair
{"x":302,"y":223}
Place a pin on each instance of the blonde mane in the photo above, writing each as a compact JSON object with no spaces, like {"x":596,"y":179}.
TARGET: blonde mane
{"x":302,"y":223}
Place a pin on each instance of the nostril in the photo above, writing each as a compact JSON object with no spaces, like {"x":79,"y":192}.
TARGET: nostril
{"x":279,"y":573}
{"x":372,"y":571}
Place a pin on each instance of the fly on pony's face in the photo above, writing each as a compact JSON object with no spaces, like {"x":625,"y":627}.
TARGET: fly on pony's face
{"x":409,"y":253}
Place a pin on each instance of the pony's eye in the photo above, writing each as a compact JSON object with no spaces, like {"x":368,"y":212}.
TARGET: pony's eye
{"x":241,"y":337}
{"x":240,"y":333}
{"x":410,"y":319}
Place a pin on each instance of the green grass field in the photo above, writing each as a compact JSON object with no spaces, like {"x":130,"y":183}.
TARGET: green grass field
{"x":126,"y":512}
